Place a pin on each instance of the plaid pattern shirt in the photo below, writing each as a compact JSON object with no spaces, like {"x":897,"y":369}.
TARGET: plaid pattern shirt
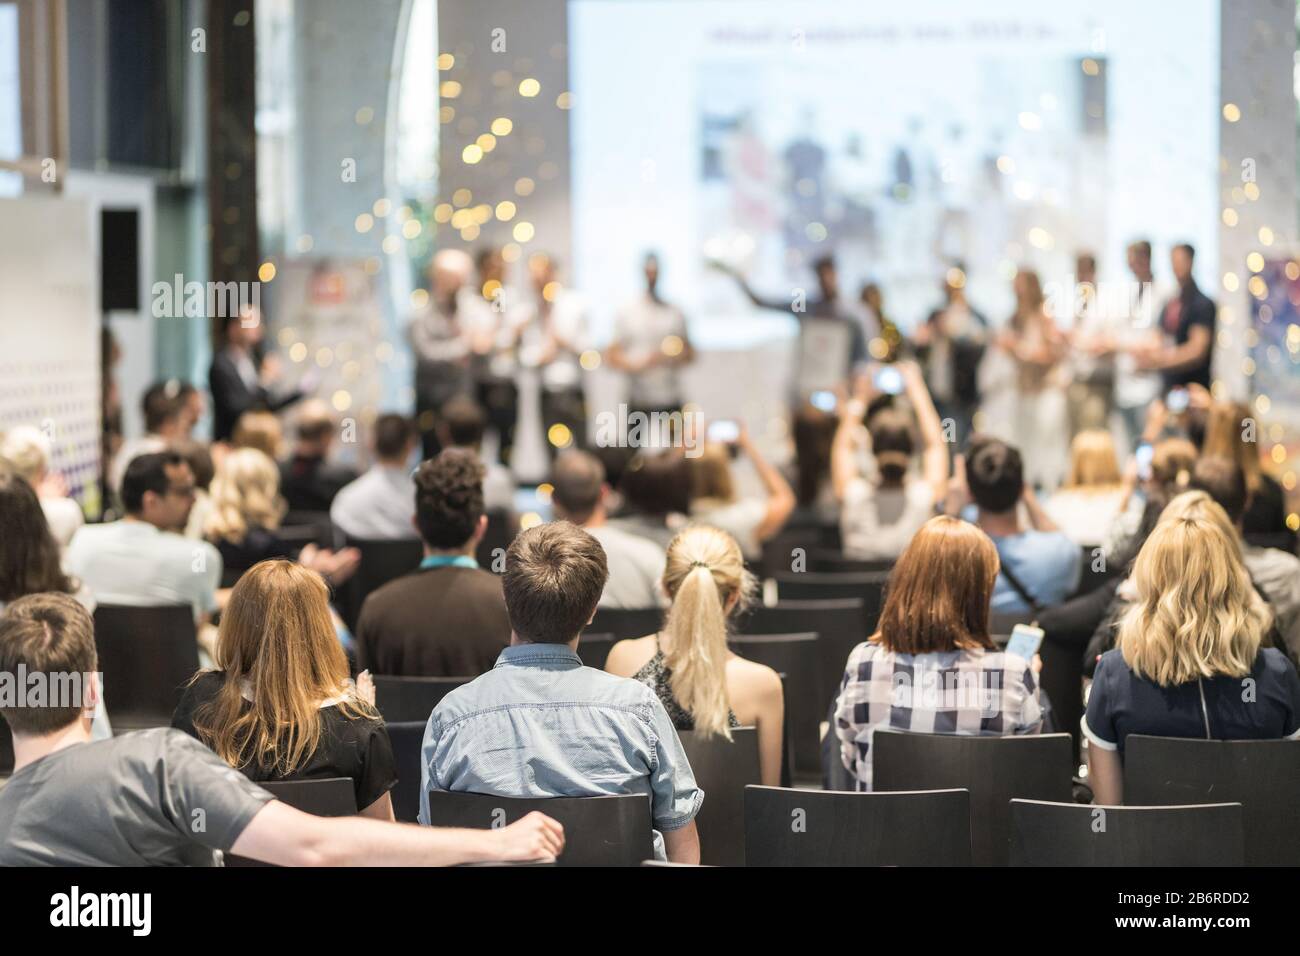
{"x":975,"y":692}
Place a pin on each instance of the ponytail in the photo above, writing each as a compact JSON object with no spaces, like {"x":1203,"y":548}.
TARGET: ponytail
{"x":697,"y":651}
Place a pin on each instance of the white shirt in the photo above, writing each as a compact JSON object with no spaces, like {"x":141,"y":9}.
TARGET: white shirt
{"x":636,"y":566}
{"x":568,"y":320}
{"x":64,"y":517}
{"x":379,"y":505}
{"x":878,"y":523}
{"x":1134,"y":388}
{"x":132,"y":449}
{"x":132,"y":562}
{"x":1085,"y":517}
{"x":740,"y":519}
{"x":640,"y":329}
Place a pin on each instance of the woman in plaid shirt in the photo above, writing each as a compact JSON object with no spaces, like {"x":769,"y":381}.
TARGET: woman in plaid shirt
{"x":932,"y":667}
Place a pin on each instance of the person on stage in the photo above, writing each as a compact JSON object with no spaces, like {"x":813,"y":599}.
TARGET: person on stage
{"x":1188,"y":322}
{"x":1135,"y":388}
{"x":1038,"y":348}
{"x":495,"y":370}
{"x":950,"y":345}
{"x":650,"y":347}
{"x":1091,"y":364}
{"x":242,"y":378}
{"x":440,"y":333}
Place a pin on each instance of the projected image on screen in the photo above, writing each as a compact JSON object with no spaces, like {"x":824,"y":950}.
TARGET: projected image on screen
{"x":1001,"y":135}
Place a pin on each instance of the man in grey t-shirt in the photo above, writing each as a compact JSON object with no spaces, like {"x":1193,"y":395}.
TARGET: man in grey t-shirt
{"x":159,"y":797}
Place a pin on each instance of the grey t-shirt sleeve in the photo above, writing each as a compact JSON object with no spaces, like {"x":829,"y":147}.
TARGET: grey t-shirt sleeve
{"x":206,"y":800}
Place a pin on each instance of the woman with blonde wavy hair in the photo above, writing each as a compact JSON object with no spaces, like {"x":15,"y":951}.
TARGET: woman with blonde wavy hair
{"x":281,"y":705}
{"x":702,"y":684}
{"x":1189,"y":660}
{"x":245,"y":513}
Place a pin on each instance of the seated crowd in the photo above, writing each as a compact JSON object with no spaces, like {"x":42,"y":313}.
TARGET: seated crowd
{"x":1162,"y":583}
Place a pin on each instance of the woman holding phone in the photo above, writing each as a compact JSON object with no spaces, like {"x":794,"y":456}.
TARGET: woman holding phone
{"x":887,"y":490}
{"x":714,"y":501}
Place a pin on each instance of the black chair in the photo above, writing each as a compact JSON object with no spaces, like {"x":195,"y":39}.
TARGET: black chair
{"x":326,"y":797}
{"x":834,"y":562}
{"x":993,"y":769}
{"x":723,"y":768}
{"x":1262,"y":775}
{"x":841,"y":625}
{"x":407,"y":737}
{"x":147,"y":655}
{"x":381,"y":562}
{"x":820,"y":828}
{"x":1071,"y":834}
{"x":400,"y":699}
{"x":1001,"y":623}
{"x":780,"y":550}
{"x":308,"y":527}
{"x":598,"y":831}
{"x":594,"y":649}
{"x":815,"y":586}
{"x":502,"y":527}
{"x":6,"y":749}
{"x":795,"y":656}
{"x":623,"y":622}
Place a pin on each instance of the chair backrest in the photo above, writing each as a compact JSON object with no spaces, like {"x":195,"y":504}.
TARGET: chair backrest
{"x":598,"y":831}
{"x":797,"y":657}
{"x":834,"y":562}
{"x":326,"y":797}
{"x":6,"y":749}
{"x":841,"y":623}
{"x":623,"y":622}
{"x":594,"y":649}
{"x":1002,"y":622}
{"x":407,"y":737}
{"x":502,"y":527}
{"x":1262,"y":775}
{"x":993,"y":769}
{"x":824,"y":586}
{"x":1072,"y":834}
{"x":723,"y":768}
{"x":401,"y":699}
{"x":825,"y":828}
{"x":147,"y":655}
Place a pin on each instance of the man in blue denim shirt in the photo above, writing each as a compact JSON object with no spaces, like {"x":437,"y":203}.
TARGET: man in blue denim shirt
{"x":539,"y":724}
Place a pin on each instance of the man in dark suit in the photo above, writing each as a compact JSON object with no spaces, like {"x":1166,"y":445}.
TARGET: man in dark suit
{"x":239,"y":382}
{"x":1188,"y":322}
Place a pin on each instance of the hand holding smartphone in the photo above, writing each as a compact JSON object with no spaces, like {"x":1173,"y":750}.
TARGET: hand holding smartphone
{"x":1025,"y":641}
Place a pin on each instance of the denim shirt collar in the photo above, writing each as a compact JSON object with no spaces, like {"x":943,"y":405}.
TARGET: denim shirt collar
{"x":533,"y":655}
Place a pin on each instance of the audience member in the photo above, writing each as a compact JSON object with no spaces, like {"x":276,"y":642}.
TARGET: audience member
{"x":447,"y":618}
{"x":1040,"y":566}
{"x":260,"y":430}
{"x":1145,"y":498}
{"x":636,"y":564}
{"x":932,"y":666}
{"x":134,"y":798}
{"x":701,"y":683}
{"x":813,"y":435}
{"x":1090,"y":500}
{"x":1231,"y":431}
{"x":380,"y":505}
{"x":27,"y":451}
{"x":281,"y":705}
{"x":884,"y":501}
{"x":751,"y":519}
{"x":571,"y":730}
{"x":198,"y":455}
{"x":29,"y":558}
{"x":309,"y":480}
{"x":462,"y":424}
{"x":143,"y":559}
{"x":1188,"y":660}
{"x":656,"y":490}
{"x":164,"y":423}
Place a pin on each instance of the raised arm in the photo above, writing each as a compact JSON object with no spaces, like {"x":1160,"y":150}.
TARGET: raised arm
{"x":851,"y":436}
{"x":281,"y":835}
{"x":934,"y":450}
{"x":780,"y":496}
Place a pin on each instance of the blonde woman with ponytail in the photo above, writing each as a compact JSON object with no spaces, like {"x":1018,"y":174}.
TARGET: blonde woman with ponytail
{"x":702,"y":684}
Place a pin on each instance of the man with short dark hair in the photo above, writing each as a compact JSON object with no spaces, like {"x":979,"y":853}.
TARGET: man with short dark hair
{"x":309,"y":480}
{"x":161,"y":798}
{"x":380,"y":504}
{"x":540,"y":724}
{"x":447,"y":618}
{"x":1040,"y":565}
{"x":1275,"y":573}
{"x":636,"y":564}
{"x":163,"y":407}
{"x":144,"y":559}
{"x":1188,"y":322}
{"x":462,"y":424}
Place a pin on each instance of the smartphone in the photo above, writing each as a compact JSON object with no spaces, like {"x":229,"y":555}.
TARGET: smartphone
{"x":889,"y":380}
{"x":823,"y":400}
{"x":724,"y":431}
{"x":1025,"y":641}
{"x":1177,"y":400}
{"x":1143,"y":455}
